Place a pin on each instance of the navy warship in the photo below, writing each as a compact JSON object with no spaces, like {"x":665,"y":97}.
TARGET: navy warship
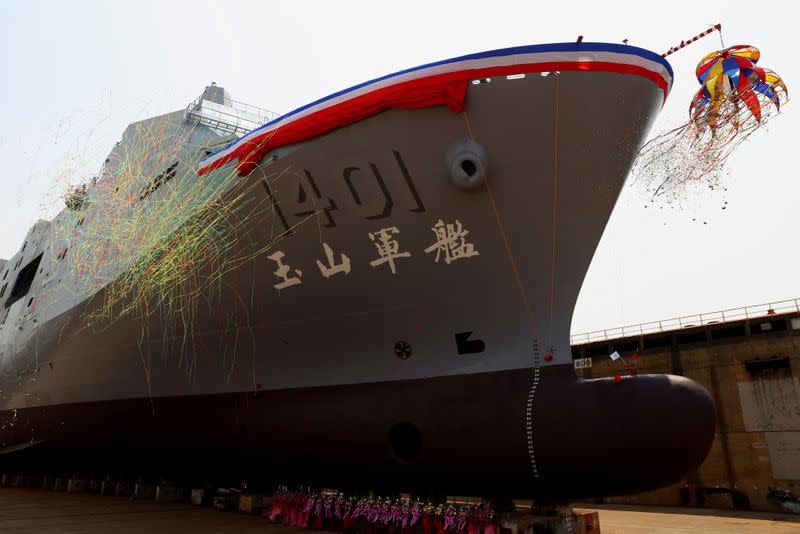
{"x":400,"y":309}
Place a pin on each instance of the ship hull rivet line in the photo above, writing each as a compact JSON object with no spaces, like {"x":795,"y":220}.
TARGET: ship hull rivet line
{"x":529,"y":410}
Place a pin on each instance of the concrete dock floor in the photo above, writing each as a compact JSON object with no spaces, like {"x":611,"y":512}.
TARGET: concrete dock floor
{"x":659,"y":520}
{"x":35,"y":511}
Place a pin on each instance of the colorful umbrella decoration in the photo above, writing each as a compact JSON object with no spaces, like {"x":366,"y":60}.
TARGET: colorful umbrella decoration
{"x":736,"y":98}
{"x":731,"y":81}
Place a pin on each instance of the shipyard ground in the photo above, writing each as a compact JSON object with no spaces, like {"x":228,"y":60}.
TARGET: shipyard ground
{"x":32,"y":511}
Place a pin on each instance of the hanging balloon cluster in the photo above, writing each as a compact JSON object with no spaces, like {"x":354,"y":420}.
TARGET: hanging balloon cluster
{"x":736,"y":98}
{"x":731,"y":86}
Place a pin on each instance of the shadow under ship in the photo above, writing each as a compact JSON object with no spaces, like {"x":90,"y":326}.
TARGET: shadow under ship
{"x":402,"y":317}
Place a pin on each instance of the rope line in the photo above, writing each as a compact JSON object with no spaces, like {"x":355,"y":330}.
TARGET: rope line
{"x":529,"y":409}
{"x":503,"y":235}
{"x":555,"y":217}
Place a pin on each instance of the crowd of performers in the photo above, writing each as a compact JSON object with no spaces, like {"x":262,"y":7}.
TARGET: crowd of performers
{"x":374,"y":515}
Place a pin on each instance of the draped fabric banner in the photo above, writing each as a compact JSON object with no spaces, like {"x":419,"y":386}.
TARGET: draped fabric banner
{"x":436,"y":84}
{"x":406,"y":96}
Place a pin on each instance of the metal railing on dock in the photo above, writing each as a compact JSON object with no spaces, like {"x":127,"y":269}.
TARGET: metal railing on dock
{"x":689,"y":321}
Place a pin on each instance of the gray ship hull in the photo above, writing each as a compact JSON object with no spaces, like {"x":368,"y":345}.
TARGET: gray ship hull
{"x":362,"y":343}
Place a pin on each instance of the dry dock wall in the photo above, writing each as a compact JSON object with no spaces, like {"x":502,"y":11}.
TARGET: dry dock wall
{"x":752,"y":370}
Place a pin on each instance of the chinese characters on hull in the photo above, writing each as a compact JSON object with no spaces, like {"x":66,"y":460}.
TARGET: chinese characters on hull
{"x":282,"y":272}
{"x":388,"y":247}
{"x":332,"y":267}
{"x":451,"y":244}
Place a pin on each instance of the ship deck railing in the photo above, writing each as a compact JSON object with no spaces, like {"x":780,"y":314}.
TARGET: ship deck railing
{"x":234,"y":117}
{"x":689,"y":321}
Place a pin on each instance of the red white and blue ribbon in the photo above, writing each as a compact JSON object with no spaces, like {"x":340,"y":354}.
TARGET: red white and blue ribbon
{"x":440,"y":83}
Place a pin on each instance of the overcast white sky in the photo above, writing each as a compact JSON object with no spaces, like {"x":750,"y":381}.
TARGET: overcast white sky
{"x":76,"y":73}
